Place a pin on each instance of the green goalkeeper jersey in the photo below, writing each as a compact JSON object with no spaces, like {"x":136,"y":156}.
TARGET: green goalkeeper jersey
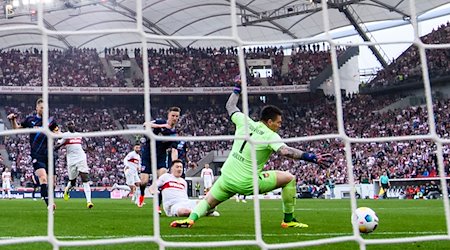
{"x":238,"y":166}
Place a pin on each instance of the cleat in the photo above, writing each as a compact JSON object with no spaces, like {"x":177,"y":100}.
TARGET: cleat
{"x":66,"y":194}
{"x":244,"y":201}
{"x":140,"y":201}
{"x":186,"y":223}
{"x":293,"y":223}
{"x":90,"y":205}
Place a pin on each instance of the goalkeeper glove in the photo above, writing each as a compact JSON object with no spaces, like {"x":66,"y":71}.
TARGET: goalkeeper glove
{"x":309,"y":157}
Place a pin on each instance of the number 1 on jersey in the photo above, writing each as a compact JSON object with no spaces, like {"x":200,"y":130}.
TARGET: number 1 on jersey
{"x":243,"y":145}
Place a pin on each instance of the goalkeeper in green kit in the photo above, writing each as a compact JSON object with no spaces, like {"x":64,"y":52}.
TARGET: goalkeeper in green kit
{"x":237,"y":171}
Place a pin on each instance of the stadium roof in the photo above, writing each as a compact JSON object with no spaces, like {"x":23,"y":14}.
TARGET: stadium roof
{"x":258,"y":20}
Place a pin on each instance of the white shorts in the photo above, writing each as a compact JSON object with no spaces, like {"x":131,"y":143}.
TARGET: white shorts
{"x":173,"y":210}
{"x":79,"y":167}
{"x":207,"y":183}
{"x":132,"y":177}
{"x":6,"y":185}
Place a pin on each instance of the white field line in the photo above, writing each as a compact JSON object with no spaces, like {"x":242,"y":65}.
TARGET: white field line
{"x":331,"y":234}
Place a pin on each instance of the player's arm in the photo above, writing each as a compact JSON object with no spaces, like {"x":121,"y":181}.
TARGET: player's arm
{"x":297,"y":154}
{"x":202,"y":173}
{"x":13,"y":119}
{"x":61,"y":142}
{"x":125,"y":160}
{"x":174,"y":154}
{"x":155,"y":124}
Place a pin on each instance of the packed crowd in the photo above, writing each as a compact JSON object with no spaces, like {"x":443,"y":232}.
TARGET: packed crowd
{"x":72,"y":67}
{"x":405,"y":159}
{"x":208,"y":67}
{"x":172,"y":67}
{"x":407,"y":67}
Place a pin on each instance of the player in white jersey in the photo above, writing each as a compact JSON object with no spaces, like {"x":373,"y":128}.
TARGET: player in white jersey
{"x":174,"y":192}
{"x":6,"y":183}
{"x":132,"y":163}
{"x":76,"y":162}
{"x":208,"y":177}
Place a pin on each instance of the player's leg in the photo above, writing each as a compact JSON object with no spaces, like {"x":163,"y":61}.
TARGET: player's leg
{"x":145,"y":175}
{"x":72,"y":173}
{"x":161,"y":171}
{"x":41,"y":172}
{"x":3,"y":190}
{"x":136,"y":192}
{"x":270,"y":180}
{"x":217,"y":195}
{"x":87,"y":189}
{"x":8,"y":189}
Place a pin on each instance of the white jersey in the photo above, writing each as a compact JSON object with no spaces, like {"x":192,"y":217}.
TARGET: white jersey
{"x":132,"y":161}
{"x":6,"y":180}
{"x":75,"y":152}
{"x":207,"y":174}
{"x":6,"y":176}
{"x":173,"y":190}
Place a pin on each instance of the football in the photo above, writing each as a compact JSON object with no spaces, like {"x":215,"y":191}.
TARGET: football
{"x":366,"y":219}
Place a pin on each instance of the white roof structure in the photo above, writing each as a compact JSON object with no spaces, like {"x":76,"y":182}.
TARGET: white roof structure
{"x":258,"y":20}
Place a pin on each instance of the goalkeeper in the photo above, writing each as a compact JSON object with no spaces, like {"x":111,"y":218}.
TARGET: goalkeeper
{"x":237,"y":171}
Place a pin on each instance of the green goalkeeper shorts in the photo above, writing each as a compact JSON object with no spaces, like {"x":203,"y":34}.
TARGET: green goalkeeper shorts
{"x":224,"y":188}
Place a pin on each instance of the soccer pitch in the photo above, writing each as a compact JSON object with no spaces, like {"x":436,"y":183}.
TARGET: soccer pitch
{"x":120,"y":218}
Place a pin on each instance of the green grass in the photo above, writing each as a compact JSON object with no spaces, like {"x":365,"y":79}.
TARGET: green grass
{"x":119,"y":218}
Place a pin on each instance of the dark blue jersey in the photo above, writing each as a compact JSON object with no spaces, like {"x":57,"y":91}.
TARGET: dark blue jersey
{"x":38,"y":141}
{"x":163,"y":158}
{"x":182,"y":151}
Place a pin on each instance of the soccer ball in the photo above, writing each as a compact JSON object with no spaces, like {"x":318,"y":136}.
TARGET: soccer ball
{"x":366,"y":219}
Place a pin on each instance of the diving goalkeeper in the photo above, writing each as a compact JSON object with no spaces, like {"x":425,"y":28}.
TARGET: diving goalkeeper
{"x":237,"y":170}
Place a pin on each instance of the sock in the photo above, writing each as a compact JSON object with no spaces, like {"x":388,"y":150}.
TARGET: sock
{"x":199,"y":210}
{"x":142,"y":187}
{"x":136,"y":194}
{"x":288,"y":195}
{"x":159,"y":199}
{"x":3,"y":194}
{"x":44,"y":193}
{"x":9,"y":194}
{"x":87,"y":191}
{"x":124,"y":187}
{"x":69,"y":186}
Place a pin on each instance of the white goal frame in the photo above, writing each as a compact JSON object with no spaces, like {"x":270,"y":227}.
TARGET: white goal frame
{"x":258,"y":241}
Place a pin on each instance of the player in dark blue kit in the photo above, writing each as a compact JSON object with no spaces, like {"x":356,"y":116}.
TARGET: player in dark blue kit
{"x":36,"y":185}
{"x":182,"y":155}
{"x":165,"y":152}
{"x":38,"y":143}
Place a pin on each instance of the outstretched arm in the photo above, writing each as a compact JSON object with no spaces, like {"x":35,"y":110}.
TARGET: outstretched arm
{"x":232,"y":104}
{"x":13,"y":119}
{"x":322,"y":159}
{"x":233,"y":99}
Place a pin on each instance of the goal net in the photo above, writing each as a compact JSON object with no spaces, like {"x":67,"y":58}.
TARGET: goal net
{"x":348,"y":141}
